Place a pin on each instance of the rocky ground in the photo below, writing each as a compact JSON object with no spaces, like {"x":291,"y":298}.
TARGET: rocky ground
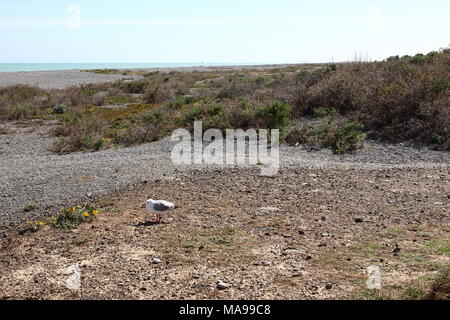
{"x":310,"y":232}
{"x":303,"y":234}
{"x":30,"y":175}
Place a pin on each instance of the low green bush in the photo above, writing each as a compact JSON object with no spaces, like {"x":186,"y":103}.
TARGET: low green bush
{"x":134,"y":86}
{"x":349,"y":137}
{"x":70,"y":218}
{"x":341,"y":135}
{"x":275,"y":116}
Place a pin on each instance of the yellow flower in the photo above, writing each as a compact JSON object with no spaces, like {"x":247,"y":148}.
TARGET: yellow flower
{"x":86,"y":214}
{"x":41,"y":223}
{"x":95,"y":212}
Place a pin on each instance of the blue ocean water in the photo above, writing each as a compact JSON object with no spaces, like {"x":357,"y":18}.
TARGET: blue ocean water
{"x":16,"y":67}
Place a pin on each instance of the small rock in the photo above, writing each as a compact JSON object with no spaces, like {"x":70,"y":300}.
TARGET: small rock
{"x":308,"y":258}
{"x":156,"y":261}
{"x":222,"y":285}
{"x":301,"y":232}
{"x":268,"y":209}
{"x":359,"y":220}
{"x":59,"y":109}
{"x":328,"y":286}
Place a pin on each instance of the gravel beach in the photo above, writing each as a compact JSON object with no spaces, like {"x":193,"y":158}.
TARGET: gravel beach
{"x":308,"y":232}
{"x":57,"y":79}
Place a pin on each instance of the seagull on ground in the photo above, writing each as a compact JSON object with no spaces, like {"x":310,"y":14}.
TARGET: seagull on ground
{"x":159,"y":207}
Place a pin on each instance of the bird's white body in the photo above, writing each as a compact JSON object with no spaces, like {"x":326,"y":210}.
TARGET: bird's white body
{"x":160,"y":207}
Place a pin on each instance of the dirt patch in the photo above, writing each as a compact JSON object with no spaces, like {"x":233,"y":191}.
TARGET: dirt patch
{"x":304,"y":234}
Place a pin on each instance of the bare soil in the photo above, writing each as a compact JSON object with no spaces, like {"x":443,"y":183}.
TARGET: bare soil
{"x":303,"y":234}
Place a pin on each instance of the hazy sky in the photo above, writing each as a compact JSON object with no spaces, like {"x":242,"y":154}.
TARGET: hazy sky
{"x":258,"y":31}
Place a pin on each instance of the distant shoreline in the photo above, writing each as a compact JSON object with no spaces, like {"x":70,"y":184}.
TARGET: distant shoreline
{"x":34,"y":67}
{"x":60,"y":79}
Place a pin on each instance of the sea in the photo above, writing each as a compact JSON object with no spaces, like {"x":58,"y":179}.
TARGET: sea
{"x":17,"y":67}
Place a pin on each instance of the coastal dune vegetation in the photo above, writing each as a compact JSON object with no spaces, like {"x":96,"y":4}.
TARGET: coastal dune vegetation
{"x":398,"y":99}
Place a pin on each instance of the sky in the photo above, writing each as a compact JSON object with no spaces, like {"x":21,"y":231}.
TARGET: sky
{"x":227,"y":31}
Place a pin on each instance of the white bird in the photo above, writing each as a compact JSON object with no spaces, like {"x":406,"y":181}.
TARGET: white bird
{"x":159,"y":207}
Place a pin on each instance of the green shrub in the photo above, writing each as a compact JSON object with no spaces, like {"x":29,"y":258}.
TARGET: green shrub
{"x":349,"y":137}
{"x":242,"y":115}
{"x":214,"y":110}
{"x":79,"y":133}
{"x":298,"y":136}
{"x":194,"y":114}
{"x":436,"y":138}
{"x":134,"y":86}
{"x":441,"y":287}
{"x":275,"y":116}
{"x":181,"y":101}
{"x":17,"y":113}
{"x":59,"y":109}
{"x":118,"y":100}
{"x":70,"y":218}
{"x":151,"y":94}
{"x":342,"y":136}
{"x":103,"y":71}
{"x":332,"y":67}
{"x":323,"y":112}
{"x":159,"y":93}
{"x":30,"y":208}
{"x":146,"y":127}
